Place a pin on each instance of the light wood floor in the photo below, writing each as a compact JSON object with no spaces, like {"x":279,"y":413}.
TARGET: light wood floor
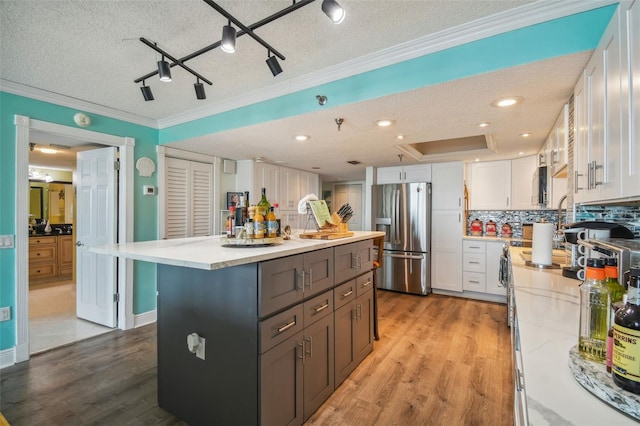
{"x":440,"y":361}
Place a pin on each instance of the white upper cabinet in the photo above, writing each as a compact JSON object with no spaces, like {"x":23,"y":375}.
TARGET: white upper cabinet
{"x":630,"y":100}
{"x":288,"y":189}
{"x":490,"y":185}
{"x":447,"y":189}
{"x":558,"y":142}
{"x":522,"y":170}
{"x":400,"y":174}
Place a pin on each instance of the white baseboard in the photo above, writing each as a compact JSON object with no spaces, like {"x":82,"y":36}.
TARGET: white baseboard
{"x":473,"y":295}
{"x":145,"y":318}
{"x":7,"y":357}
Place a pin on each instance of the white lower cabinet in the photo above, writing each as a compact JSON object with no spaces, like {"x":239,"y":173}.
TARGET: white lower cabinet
{"x":480,"y":267}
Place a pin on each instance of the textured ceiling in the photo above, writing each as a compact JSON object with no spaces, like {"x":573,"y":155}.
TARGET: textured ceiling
{"x":90,"y":50}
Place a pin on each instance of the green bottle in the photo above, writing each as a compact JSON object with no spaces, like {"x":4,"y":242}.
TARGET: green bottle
{"x":263,"y":204}
{"x":616,"y":289}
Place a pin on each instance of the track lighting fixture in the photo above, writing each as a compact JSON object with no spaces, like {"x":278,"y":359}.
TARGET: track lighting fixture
{"x":274,"y":66}
{"x":199,"y":87}
{"x":228,"y":42}
{"x":333,"y":10}
{"x":146,"y":92}
{"x":322,"y":100}
{"x":164,"y":70}
{"x":339,"y":122}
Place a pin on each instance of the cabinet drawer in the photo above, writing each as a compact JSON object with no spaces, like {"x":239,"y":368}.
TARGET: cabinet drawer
{"x":42,"y":253}
{"x":473,"y":281}
{"x":65,"y":271}
{"x":473,"y":262}
{"x":345,"y":262}
{"x":318,"y":307}
{"x":279,"y":284}
{"x":470,"y":246}
{"x":364,"y":283}
{"x":41,"y":241}
{"x":44,"y":270}
{"x":344,"y":293}
{"x":280,"y":327}
{"x":318,"y":268}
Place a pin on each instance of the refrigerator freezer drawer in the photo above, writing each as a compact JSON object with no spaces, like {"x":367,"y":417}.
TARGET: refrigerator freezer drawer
{"x":407,"y":272}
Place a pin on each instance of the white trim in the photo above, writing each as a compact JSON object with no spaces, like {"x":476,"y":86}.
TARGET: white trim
{"x":488,"y":26}
{"x":23,"y":127}
{"x":487,"y":297}
{"x":530,"y":14}
{"x":74,"y":103}
{"x":145,"y":318}
{"x":7,"y":358}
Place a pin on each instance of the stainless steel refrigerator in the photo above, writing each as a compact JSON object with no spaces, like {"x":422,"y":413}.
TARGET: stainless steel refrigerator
{"x":403,"y":212}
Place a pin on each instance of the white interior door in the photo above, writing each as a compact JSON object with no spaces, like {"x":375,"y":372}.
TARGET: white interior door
{"x":96,"y":225}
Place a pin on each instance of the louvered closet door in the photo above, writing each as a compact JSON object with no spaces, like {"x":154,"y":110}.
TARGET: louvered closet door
{"x":188,"y":198}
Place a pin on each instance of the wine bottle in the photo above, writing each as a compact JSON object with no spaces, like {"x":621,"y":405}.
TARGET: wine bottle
{"x":595,"y":299}
{"x":263,"y":204}
{"x":626,"y":339}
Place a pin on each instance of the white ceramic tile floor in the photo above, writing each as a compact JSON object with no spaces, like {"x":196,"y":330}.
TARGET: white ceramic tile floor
{"x":52,"y":317}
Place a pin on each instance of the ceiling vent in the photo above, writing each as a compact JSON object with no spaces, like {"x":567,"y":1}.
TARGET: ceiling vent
{"x":353,"y":162}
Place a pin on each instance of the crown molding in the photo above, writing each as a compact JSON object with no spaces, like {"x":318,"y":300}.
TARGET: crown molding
{"x":74,"y":103}
{"x":513,"y":19}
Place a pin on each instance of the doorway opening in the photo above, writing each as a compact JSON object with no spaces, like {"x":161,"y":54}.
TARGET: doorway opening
{"x":27,"y":128}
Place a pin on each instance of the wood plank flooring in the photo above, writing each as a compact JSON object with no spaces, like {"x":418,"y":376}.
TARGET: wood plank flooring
{"x":440,"y":360}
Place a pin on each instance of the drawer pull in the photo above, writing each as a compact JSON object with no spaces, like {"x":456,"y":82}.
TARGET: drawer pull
{"x":349,"y":293}
{"x":475,"y":263}
{"x":322,"y":308}
{"x":287,"y":326}
{"x":475,"y":282}
{"x":366,"y":284}
{"x":475,"y":247}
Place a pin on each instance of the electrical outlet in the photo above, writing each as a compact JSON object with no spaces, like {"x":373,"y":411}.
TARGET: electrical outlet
{"x":5,"y":313}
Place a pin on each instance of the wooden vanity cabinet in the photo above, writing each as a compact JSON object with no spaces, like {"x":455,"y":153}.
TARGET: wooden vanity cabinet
{"x":65,"y":256}
{"x":43,"y":258}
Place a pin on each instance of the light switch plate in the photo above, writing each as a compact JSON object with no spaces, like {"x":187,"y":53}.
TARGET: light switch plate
{"x":6,"y":241}
{"x":5,"y":313}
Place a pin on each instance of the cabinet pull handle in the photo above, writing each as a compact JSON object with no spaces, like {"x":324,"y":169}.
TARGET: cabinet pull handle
{"x":301,"y":356}
{"x":286,"y":326}
{"x":310,"y":351}
{"x":576,"y":188}
{"x":507,"y":201}
{"x":596,"y":182}
{"x":323,"y":307}
{"x":359,"y":310}
{"x":359,"y":262}
{"x":354,"y":262}
{"x":349,"y":293}
{"x":310,"y":279}
{"x":520,"y":378}
{"x":475,"y":247}
{"x":366,"y":284}
{"x":475,"y":263}
{"x":354,"y":313}
{"x":475,"y":282}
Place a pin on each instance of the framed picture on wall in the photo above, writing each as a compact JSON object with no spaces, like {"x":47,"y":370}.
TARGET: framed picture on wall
{"x":233,"y":198}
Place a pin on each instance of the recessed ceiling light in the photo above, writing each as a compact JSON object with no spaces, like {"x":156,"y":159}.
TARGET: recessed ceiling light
{"x":521,"y":153}
{"x":302,"y":137}
{"x":47,"y":150}
{"x":483,"y":124}
{"x":385,"y":123}
{"x":526,"y":134}
{"x":509,"y":101}
{"x":476,"y":160}
{"x":400,"y":137}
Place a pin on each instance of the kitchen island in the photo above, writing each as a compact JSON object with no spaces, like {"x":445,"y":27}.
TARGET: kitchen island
{"x":548,"y":307}
{"x":259,"y":335}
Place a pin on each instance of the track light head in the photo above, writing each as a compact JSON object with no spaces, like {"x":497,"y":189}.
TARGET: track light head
{"x":199,"y":88}
{"x":228,"y":42}
{"x":146,"y":92}
{"x":164,"y":70}
{"x":333,"y":10}
{"x":274,"y":66}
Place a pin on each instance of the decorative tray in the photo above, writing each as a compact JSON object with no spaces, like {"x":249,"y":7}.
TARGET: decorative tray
{"x":241,"y":242}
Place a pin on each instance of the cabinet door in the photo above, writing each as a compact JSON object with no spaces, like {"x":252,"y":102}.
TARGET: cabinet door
{"x":448,"y":185}
{"x":494,"y":250}
{"x":363,"y":333}
{"x":345,"y":262}
{"x":366,"y":255}
{"x":389,"y":175}
{"x":522,"y":169}
{"x":279,"y":284}
{"x":265,"y":176}
{"x":446,"y":243}
{"x":318,"y":271}
{"x":417,"y":173}
{"x":309,"y":184}
{"x":289,"y":188}
{"x":630,"y":95}
{"x":281,"y":383}
{"x":345,"y":361}
{"x":581,"y":140}
{"x":491,"y":185}
{"x":318,"y":363}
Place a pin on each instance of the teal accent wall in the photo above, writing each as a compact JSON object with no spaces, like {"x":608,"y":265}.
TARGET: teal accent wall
{"x":145,"y":208}
{"x":559,"y":37}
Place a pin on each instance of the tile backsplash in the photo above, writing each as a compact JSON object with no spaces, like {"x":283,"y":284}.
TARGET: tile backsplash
{"x":515,"y":218}
{"x":628,"y":216}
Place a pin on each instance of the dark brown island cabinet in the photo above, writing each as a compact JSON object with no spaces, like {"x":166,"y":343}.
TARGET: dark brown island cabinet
{"x":280,"y":335}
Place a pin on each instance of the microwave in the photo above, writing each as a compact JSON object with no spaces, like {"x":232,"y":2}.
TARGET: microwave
{"x":626,"y":251}
{"x":539,"y":187}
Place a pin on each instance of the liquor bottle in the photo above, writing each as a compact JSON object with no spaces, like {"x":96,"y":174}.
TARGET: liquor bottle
{"x":249,"y":229}
{"x":615,"y":306}
{"x":231,"y":222}
{"x":272,"y":225}
{"x":276,"y":210}
{"x":594,"y":313}
{"x":626,"y":339}
{"x":263,"y":204}
{"x":258,"y":225}
{"x":241,"y":212}
{"x":611,"y":272}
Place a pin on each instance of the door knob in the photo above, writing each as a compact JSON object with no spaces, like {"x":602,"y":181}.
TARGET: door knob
{"x":79,"y":244}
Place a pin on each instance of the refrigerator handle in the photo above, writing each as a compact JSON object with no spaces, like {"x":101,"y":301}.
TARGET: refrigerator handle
{"x":392,"y":228}
{"x":397,"y":216}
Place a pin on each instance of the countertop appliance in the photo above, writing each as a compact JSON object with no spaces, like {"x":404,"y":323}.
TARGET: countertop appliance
{"x":403,"y":212}
{"x":626,"y":251}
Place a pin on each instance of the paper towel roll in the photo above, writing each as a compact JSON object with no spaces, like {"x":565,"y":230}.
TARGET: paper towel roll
{"x":542,"y":247}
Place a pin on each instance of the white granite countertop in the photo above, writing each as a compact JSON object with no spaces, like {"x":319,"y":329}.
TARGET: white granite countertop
{"x":208,"y":253}
{"x":548,"y":307}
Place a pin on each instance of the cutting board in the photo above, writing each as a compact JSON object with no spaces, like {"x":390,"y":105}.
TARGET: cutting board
{"x":326,"y":235}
